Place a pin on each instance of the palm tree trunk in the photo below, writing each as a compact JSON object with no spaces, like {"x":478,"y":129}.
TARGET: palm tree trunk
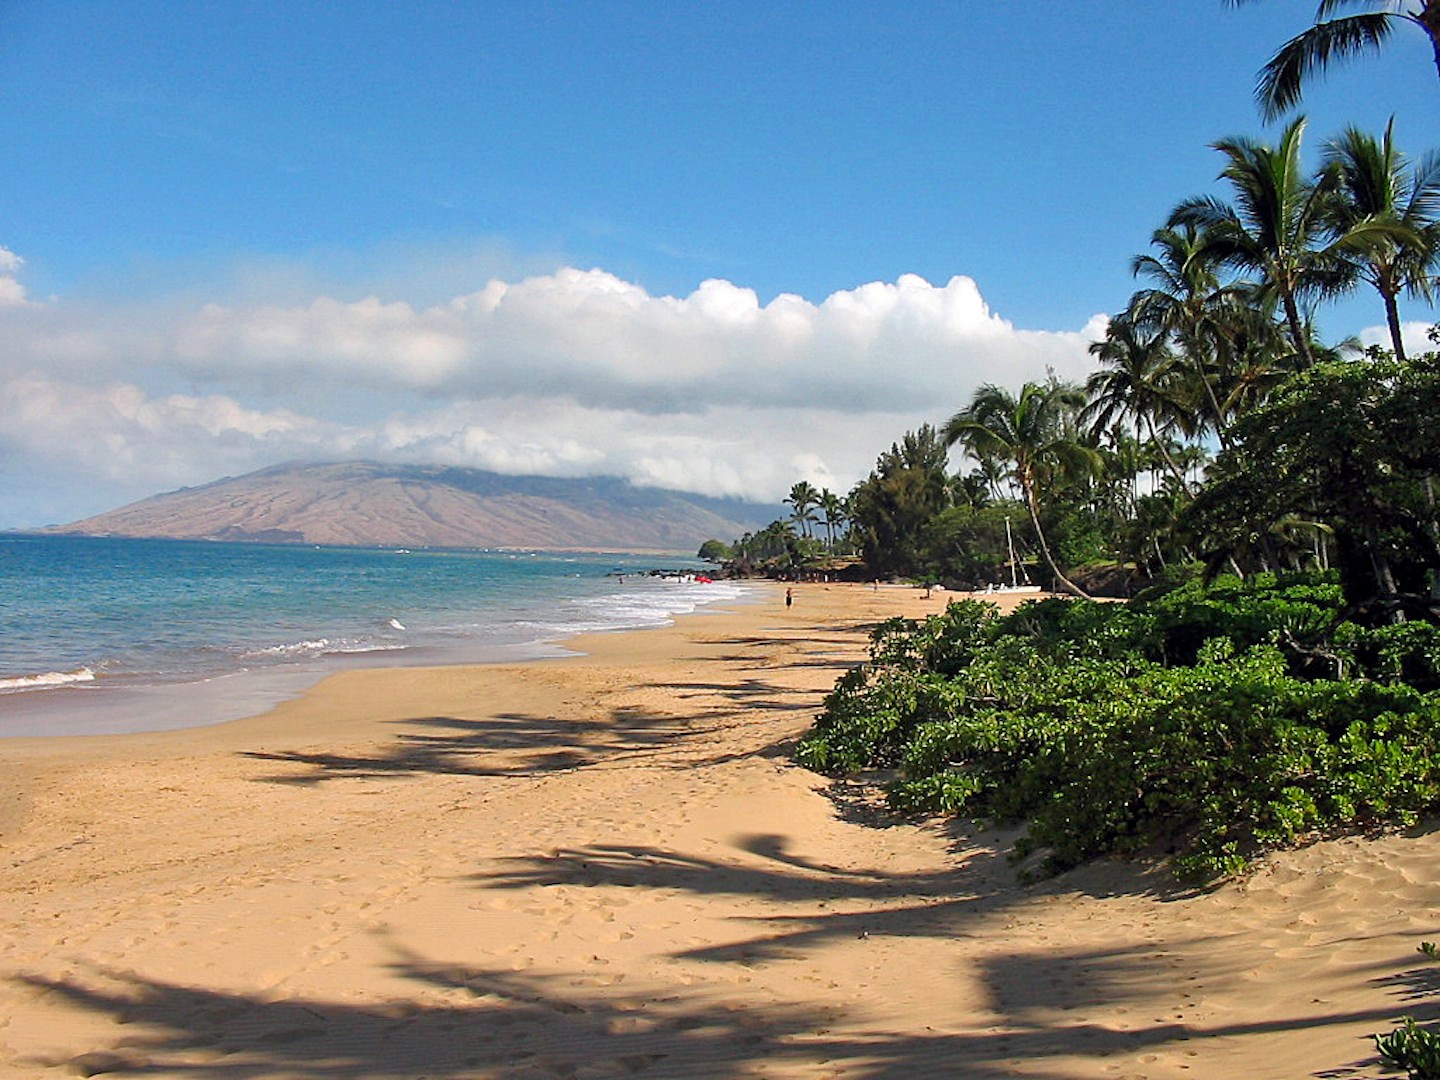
{"x":1392,"y":318}
{"x":1215,"y":406}
{"x":1297,"y":330}
{"x":1034,"y":508}
{"x":1384,"y":576}
{"x":1170,"y":462}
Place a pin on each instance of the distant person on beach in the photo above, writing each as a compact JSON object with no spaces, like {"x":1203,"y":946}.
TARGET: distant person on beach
{"x":789,"y":597}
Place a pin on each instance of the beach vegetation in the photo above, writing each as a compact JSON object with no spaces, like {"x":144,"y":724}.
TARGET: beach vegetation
{"x":1204,"y":723}
{"x":1411,"y":1046}
{"x":715,"y":551}
{"x":1269,"y":505}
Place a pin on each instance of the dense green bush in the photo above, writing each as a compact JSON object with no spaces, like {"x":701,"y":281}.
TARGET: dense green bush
{"x":1209,"y":723}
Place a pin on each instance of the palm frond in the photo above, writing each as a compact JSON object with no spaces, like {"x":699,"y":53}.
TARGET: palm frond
{"x":1423,"y":201}
{"x":1202,"y":211}
{"x":1282,"y":80}
{"x":1330,"y":7}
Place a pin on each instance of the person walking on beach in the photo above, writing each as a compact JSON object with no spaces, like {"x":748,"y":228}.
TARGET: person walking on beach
{"x":789,"y":597}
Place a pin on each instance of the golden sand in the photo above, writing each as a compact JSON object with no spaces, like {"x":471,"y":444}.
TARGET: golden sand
{"x":608,"y":866}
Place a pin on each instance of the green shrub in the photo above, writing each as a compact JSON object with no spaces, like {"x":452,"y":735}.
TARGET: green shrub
{"x":1295,"y":612}
{"x":1407,"y":652}
{"x":1413,"y":1048}
{"x":1201,"y":723}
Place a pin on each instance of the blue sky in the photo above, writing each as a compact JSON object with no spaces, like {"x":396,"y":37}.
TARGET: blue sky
{"x":242,"y":233}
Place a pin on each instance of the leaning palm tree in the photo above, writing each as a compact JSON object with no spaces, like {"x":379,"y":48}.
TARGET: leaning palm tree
{"x":1282,"y":80}
{"x":1279,"y":226}
{"x":1375,"y":183}
{"x":1034,"y":434}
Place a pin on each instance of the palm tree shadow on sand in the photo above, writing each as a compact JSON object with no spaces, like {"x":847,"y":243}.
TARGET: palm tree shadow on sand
{"x":470,"y":1022}
{"x":507,"y":745}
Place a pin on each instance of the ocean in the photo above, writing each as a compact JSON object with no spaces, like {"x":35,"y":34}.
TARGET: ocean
{"x":103,"y":635}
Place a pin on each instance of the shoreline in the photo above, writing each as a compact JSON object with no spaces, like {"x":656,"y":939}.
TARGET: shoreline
{"x":607,"y":865}
{"x":99,"y":707}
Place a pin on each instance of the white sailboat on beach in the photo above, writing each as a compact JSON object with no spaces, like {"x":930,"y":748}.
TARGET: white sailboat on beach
{"x":1014,"y":586}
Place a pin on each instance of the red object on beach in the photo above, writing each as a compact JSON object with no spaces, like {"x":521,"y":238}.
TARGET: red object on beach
{"x":703,"y":580}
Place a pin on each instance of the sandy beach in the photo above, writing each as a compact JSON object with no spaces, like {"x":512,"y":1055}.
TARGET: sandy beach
{"x":607,"y":866}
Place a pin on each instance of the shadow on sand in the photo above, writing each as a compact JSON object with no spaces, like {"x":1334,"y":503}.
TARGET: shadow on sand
{"x":464,"y":1021}
{"x":510,"y":744}
{"x":470,"y":1022}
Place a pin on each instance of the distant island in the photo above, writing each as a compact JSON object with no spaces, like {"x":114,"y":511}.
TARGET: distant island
{"x":362,"y":503}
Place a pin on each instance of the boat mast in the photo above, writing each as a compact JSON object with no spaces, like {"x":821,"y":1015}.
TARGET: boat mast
{"x":1010,"y":542}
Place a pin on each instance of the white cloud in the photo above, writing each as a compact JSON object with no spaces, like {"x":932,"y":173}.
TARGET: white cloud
{"x":575,"y":372}
{"x":121,"y":436}
{"x":133,"y":444}
{"x":11,"y":291}
{"x":591,"y":337}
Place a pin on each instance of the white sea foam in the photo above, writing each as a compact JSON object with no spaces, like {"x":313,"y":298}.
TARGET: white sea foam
{"x":48,"y":681}
{"x":301,"y":650}
{"x":656,"y":605}
{"x":364,"y":647}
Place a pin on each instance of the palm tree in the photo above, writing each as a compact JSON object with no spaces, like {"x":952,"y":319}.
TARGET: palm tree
{"x":832,"y":509}
{"x":974,"y":489}
{"x":1184,"y":286}
{"x":1253,"y":352}
{"x":1282,"y":80}
{"x":802,"y":497}
{"x":1139,"y":381}
{"x":1374,"y":183}
{"x":1186,"y":300}
{"x":1279,"y":227}
{"x":1034,"y":433}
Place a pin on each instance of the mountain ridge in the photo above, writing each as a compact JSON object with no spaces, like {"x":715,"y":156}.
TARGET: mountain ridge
{"x":366,"y":504}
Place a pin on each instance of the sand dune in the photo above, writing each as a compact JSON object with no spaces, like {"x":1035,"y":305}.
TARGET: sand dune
{"x":608,"y":867}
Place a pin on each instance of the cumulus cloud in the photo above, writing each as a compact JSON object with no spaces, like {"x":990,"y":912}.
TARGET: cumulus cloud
{"x":595,"y":339}
{"x":575,"y":372}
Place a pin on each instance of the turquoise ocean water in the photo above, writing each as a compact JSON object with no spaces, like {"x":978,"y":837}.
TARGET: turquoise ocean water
{"x":105,"y":635}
